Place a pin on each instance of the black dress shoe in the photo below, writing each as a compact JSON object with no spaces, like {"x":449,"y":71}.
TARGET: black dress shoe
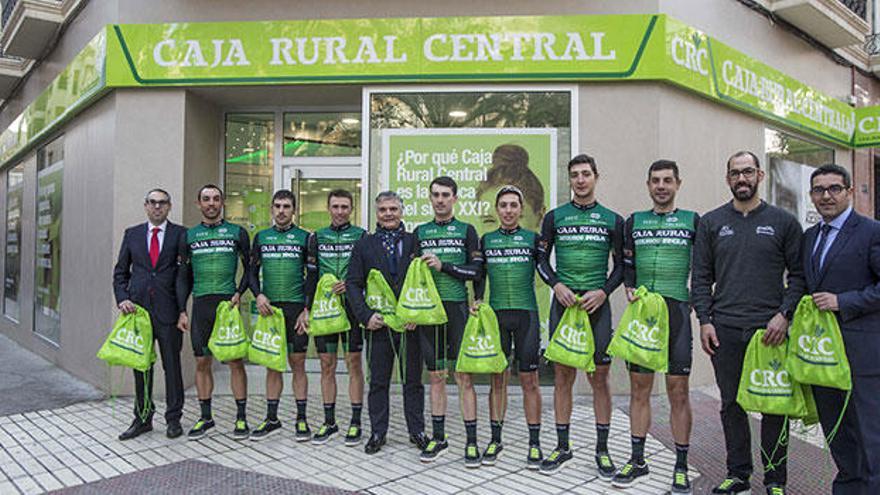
{"x":174,"y":429}
{"x":374,"y":444}
{"x":137,"y":428}
{"x":420,"y":440}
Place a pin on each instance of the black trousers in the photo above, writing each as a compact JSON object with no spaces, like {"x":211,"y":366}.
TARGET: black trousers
{"x":728,"y":364}
{"x":170,"y":341}
{"x":382,"y":345}
{"x":856,"y":445}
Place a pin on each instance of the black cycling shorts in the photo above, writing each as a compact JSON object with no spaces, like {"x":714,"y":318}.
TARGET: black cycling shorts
{"x":296,"y":343}
{"x":440,"y":343}
{"x":204,"y":312}
{"x":521,"y":328}
{"x":600,"y":320}
{"x":681,"y":342}
{"x":352,"y":340}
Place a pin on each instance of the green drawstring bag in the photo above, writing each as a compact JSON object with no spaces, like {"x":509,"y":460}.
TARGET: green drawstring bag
{"x":419,"y":301}
{"x":765,"y":385}
{"x":572,"y":343}
{"x":130,"y":343}
{"x":381,"y":299}
{"x":269,"y":342}
{"x":229,"y":339}
{"x":642,"y":336}
{"x":481,"y":344}
{"x":812,"y":415}
{"x":817,"y":355}
{"x":327,"y":316}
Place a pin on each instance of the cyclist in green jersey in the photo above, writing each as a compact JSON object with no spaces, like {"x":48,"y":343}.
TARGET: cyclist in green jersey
{"x":583,"y":233}
{"x":452,"y":249}
{"x":278,"y":278}
{"x":657,"y":255}
{"x":330,"y":251}
{"x":510,"y":254}
{"x":209,"y":262}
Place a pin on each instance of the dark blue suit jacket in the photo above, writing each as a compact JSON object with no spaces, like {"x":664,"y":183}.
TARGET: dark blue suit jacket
{"x":369,"y":253}
{"x":134,"y":277}
{"x":852,"y":271}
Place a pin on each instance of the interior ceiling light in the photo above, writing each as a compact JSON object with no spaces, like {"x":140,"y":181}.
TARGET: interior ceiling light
{"x":458,"y":114}
{"x":350,"y":121}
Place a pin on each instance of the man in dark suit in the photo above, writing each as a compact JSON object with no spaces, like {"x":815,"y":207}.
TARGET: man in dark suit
{"x":388,"y":250}
{"x":145,"y":275}
{"x":842,"y":266}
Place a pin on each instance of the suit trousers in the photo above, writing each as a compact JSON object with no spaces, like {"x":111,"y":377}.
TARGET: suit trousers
{"x":728,"y":364}
{"x":856,"y":444}
{"x":170,"y":341}
{"x":382,"y":345}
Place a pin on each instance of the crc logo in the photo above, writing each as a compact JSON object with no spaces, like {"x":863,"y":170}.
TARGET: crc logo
{"x":229,"y":333}
{"x":328,"y":305}
{"x":130,"y":337}
{"x":270,"y":339}
{"x":480,"y":344}
{"x":775,"y":377}
{"x":378,"y":302}
{"x":817,"y":345}
{"x":417,"y":295}
{"x":576,"y":336}
{"x":689,"y":54}
{"x":645,"y":333}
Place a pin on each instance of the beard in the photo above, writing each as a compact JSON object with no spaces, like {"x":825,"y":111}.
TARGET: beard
{"x":744,"y":195}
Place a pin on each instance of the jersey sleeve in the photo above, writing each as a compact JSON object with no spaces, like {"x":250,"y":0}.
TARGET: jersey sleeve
{"x":481,"y":281}
{"x":311,"y":268}
{"x":244,"y":246}
{"x":184,"y":282}
{"x":703,"y":274}
{"x":629,"y":254}
{"x":254,"y":271}
{"x":474,"y":264}
{"x":545,"y":248}
{"x":615,"y":278}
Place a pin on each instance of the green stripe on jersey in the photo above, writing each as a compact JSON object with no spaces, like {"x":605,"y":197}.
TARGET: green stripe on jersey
{"x":214,"y":254}
{"x":583,"y":242}
{"x":334,"y":249}
{"x":510,"y":269}
{"x":448,"y":242}
{"x":282,"y":263}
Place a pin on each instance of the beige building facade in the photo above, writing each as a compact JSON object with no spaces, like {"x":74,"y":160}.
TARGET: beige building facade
{"x":69,"y":195}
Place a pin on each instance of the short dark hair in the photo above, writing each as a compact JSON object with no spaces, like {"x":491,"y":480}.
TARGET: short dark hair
{"x":664,"y":165}
{"x":445,"y":180}
{"x":584,"y":158}
{"x":284,"y":194}
{"x":211,"y":186}
{"x":832,"y":168}
{"x":742,"y":153}
{"x":158,"y":190}
{"x":340,"y":193}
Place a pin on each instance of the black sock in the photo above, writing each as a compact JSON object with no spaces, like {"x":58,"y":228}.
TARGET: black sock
{"x":272,"y":409}
{"x":205,"y":404}
{"x":301,"y":410}
{"x":330,"y":413}
{"x":241,"y":408}
{"x":356,"y":413}
{"x":681,"y":456}
{"x":602,"y":437}
{"x":562,"y":436}
{"x":439,"y":423}
{"x":470,"y":429}
{"x":496,"y":430}
{"x":638,"y":450}
{"x":535,"y":435}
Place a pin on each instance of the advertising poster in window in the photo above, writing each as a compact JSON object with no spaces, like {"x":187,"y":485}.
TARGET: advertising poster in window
{"x":47,"y":303}
{"x":481,"y":161}
{"x":12,"y":262}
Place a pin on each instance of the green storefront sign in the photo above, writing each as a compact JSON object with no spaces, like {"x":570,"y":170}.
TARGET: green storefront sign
{"x":451,"y":49}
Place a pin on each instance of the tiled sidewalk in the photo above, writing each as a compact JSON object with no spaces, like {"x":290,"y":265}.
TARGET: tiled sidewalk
{"x":52,"y":449}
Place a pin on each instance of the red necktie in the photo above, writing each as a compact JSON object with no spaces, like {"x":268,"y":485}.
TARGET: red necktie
{"x":154,"y":246}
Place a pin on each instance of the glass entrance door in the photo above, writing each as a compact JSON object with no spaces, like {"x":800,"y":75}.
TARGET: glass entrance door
{"x":312,"y":184}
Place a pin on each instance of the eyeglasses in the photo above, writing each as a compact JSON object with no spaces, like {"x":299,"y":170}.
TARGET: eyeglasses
{"x":748,"y":173}
{"x":833,"y":189}
{"x":158,"y":202}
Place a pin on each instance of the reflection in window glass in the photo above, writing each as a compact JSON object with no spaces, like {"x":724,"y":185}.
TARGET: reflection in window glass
{"x":790,"y":163}
{"x":47,"y":275}
{"x":249,"y":168}
{"x":322,"y":134}
{"x":484,"y":140}
{"x":12,"y":262}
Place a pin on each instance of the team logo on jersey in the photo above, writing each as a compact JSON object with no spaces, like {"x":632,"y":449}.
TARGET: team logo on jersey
{"x":725,"y":231}
{"x":672,"y":219}
{"x":517,"y":238}
{"x":451,"y":228}
{"x":223,"y":230}
{"x":595,"y":216}
{"x":765,"y":230}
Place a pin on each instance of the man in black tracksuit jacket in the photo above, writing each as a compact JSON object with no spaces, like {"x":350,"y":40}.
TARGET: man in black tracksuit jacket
{"x":388,"y":250}
{"x":742,"y":252}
